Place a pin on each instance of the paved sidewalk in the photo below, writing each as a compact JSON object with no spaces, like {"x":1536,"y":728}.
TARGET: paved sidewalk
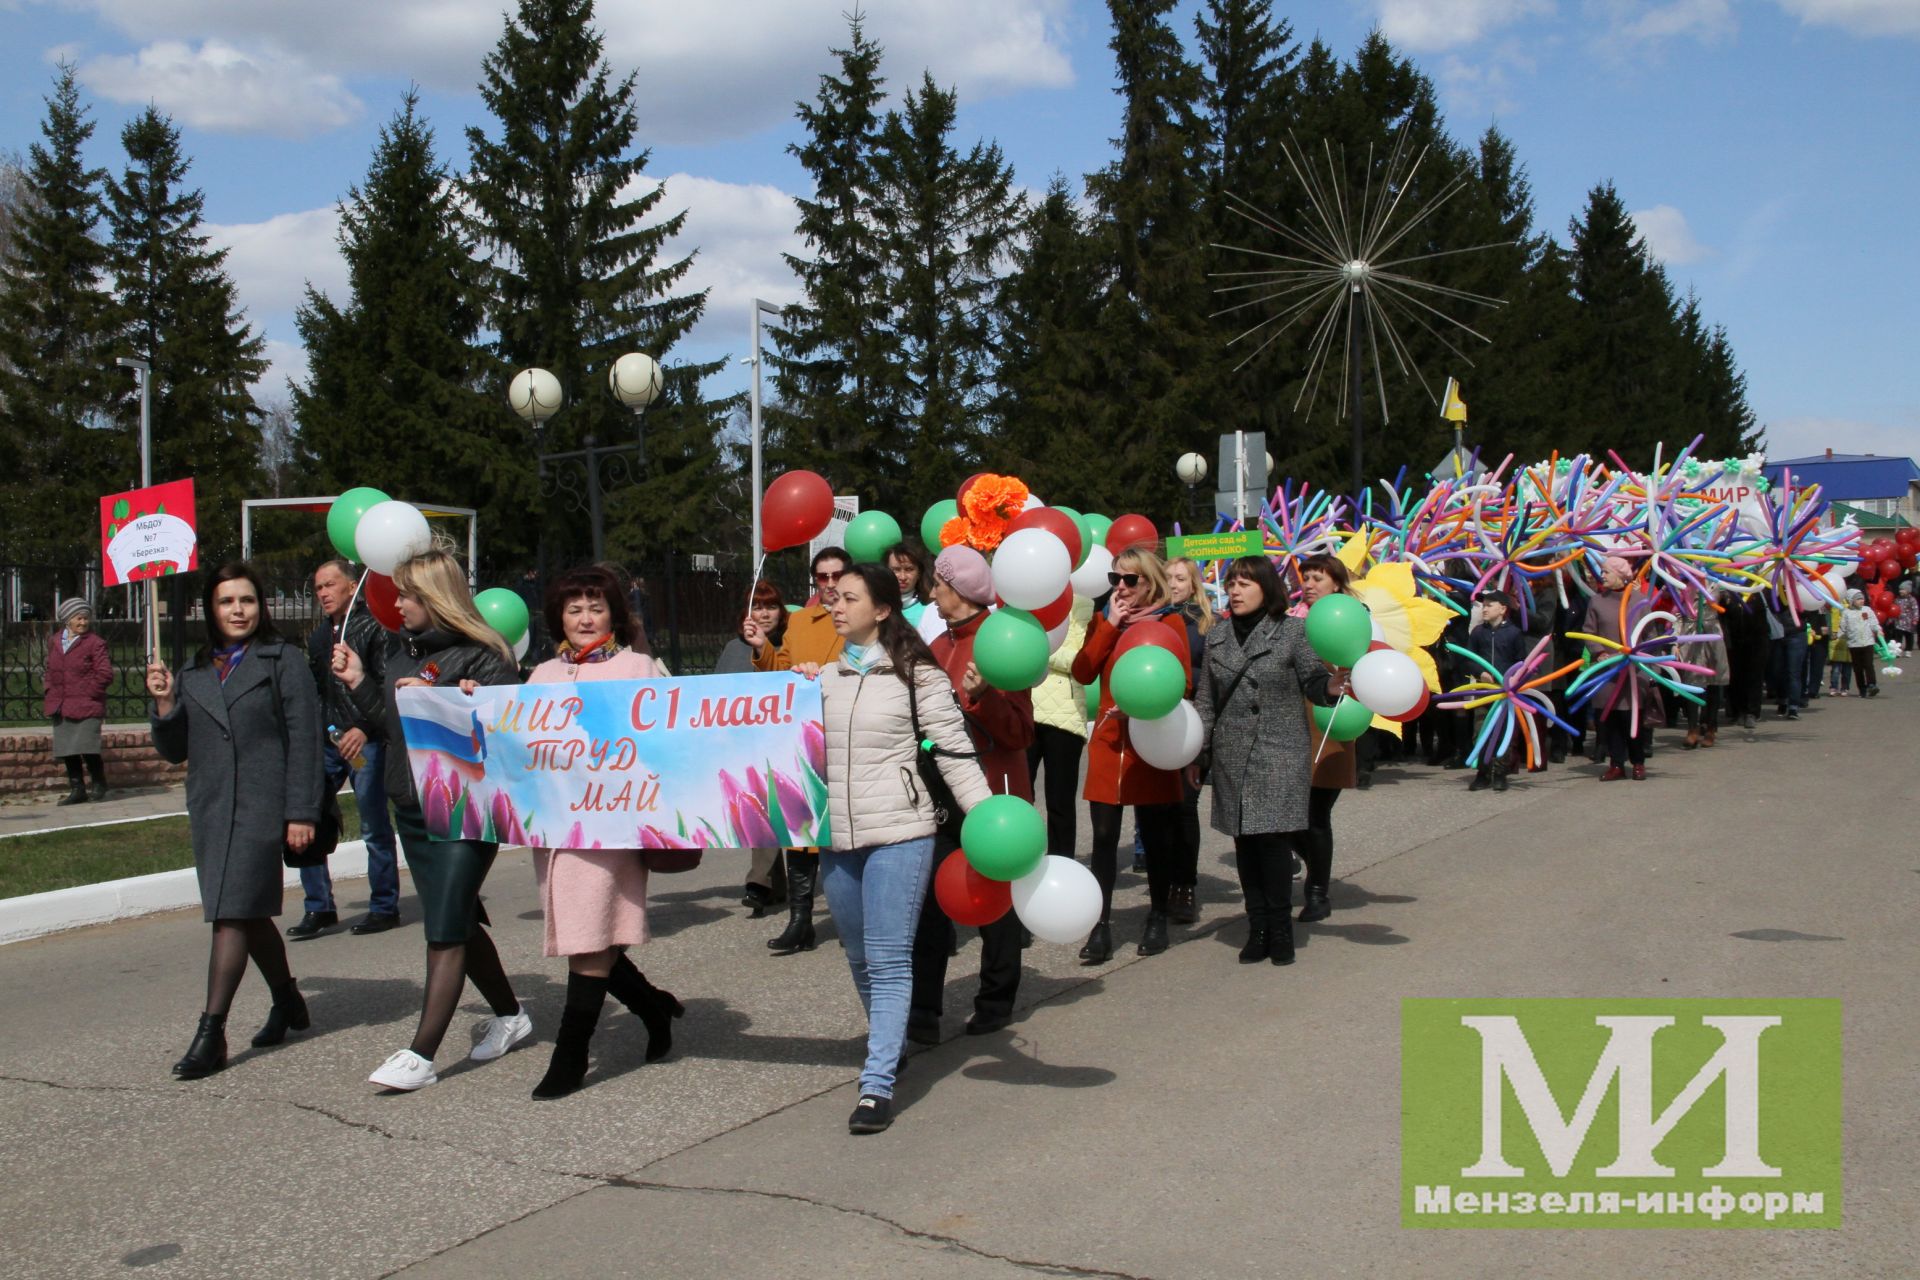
{"x":21,"y":816}
{"x":1177,"y":1116}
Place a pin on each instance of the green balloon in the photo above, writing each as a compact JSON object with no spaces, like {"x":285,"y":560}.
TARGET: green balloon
{"x":1148,"y":682}
{"x":1005,"y":837}
{"x":504,"y":611}
{"x":343,"y":517}
{"x":1339,"y":628}
{"x":1010,"y":648}
{"x":870,"y":535}
{"x":1093,"y":699}
{"x":1343,"y":723}
{"x":931,"y":523}
{"x":1086,"y":532}
{"x":1097,"y":525}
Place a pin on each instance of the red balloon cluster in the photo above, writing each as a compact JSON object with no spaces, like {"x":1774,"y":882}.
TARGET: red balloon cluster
{"x":797,"y":507}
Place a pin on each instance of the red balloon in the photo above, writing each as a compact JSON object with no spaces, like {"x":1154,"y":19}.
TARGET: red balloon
{"x":1054,"y":523}
{"x":1890,"y":568}
{"x":960,"y":494}
{"x":1375,"y":646}
{"x":382,"y":599}
{"x":1056,"y":613}
{"x":1907,"y":537}
{"x":1909,"y":556}
{"x":968,"y":897}
{"x":798,"y":506}
{"x":1419,"y":709}
{"x":1131,"y":531}
{"x":1152,"y":631}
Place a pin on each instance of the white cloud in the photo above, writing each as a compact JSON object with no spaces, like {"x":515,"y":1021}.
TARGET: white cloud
{"x":1448,"y":24}
{"x":286,"y":361}
{"x":222,"y":87}
{"x":1702,"y":19}
{"x":741,"y":232}
{"x":1667,"y":236}
{"x":703,"y":71}
{"x":1861,"y":17}
{"x":1801,"y":437}
{"x":272,"y":261}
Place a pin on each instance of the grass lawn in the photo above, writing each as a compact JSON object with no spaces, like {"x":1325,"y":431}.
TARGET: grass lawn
{"x":89,"y":855}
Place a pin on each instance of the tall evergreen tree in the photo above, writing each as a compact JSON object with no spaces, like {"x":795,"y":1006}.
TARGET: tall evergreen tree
{"x":397,"y":392}
{"x":1634,"y":362}
{"x":575,"y":276}
{"x":56,"y":333}
{"x":1154,"y":340}
{"x":1050,"y":398}
{"x":836,"y":408}
{"x":180,"y":312}
{"x":947,"y":221}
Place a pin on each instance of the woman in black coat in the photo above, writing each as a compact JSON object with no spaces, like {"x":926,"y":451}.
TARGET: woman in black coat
{"x":245,"y":702}
{"x":444,"y":642}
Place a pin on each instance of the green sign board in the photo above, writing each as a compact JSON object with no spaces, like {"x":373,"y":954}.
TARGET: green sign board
{"x":1215,"y":546}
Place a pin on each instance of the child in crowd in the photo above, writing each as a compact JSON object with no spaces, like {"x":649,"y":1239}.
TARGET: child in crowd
{"x":1500,"y":641}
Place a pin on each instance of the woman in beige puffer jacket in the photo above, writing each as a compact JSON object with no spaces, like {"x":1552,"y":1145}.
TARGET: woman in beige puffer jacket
{"x":880,"y":868}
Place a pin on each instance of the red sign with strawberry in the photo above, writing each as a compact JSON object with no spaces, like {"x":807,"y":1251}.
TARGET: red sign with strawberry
{"x":148,"y":533}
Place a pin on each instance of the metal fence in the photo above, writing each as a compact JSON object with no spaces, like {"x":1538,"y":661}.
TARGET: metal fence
{"x":691,"y":609}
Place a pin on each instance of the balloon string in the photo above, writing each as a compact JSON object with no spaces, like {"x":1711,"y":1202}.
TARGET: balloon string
{"x":347,"y":617}
{"x":753,"y":582}
{"x":1328,"y":734}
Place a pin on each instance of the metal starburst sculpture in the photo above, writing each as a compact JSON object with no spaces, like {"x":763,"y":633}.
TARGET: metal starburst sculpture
{"x":1341,"y":265}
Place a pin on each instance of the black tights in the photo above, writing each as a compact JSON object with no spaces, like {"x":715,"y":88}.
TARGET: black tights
{"x":94,"y":765}
{"x":449,"y":965}
{"x":1186,"y":869}
{"x":1707,"y":717}
{"x":1264,"y":861}
{"x":1059,"y":750}
{"x":234,"y":942}
{"x":1159,"y":827}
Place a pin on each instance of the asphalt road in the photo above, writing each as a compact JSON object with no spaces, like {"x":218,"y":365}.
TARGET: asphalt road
{"x":1176,"y":1116}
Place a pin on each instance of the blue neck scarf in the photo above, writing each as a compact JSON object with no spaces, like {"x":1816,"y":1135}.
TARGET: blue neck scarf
{"x":862,"y":658}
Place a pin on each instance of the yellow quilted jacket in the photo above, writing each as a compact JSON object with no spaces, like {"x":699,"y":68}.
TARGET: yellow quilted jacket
{"x":1058,"y":701}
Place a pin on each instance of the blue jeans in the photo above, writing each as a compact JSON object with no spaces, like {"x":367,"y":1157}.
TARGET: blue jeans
{"x":376,"y":828}
{"x":1789,"y":669}
{"x":875,"y":895}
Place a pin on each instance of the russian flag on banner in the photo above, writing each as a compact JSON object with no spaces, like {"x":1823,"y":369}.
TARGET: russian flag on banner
{"x":434,"y":724}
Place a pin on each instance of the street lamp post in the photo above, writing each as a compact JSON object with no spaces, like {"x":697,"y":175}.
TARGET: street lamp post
{"x":1192,"y":469}
{"x":144,"y":371}
{"x":754,"y":428}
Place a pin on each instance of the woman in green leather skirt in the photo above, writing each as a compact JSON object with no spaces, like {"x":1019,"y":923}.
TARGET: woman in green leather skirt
{"x":444,"y":642}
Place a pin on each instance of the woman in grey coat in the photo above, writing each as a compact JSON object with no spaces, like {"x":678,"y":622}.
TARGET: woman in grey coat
{"x":246,"y":701}
{"x":1249,"y":694}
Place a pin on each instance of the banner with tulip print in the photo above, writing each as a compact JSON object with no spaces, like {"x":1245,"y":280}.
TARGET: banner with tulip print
{"x":707,"y":762}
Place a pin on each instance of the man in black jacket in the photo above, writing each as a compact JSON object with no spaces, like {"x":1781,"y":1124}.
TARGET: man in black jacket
{"x":1500,"y":641}
{"x":354,"y":752}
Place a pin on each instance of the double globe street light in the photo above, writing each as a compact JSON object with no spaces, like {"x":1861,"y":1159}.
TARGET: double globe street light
{"x":636,"y":381}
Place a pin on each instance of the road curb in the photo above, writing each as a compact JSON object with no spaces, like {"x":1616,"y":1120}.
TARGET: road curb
{"x":35,"y":915}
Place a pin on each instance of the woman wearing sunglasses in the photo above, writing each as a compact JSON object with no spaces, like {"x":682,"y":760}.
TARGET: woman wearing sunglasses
{"x":1116,"y":775}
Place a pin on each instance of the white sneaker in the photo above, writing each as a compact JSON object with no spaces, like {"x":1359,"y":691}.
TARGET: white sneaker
{"x":405,"y":1071}
{"x":497,"y":1035}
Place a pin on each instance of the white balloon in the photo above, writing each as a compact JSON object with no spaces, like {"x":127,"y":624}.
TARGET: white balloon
{"x":1090,"y":579}
{"x":1058,"y":636}
{"x":1378,"y":633}
{"x":1031,"y":569}
{"x":1387,"y":682}
{"x":1058,"y":901}
{"x":1033,"y":500}
{"x":520,"y":645}
{"x":389,"y":533}
{"x":1172,"y":741}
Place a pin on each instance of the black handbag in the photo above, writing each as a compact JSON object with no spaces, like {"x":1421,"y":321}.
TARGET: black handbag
{"x":947,"y":815}
{"x":326,"y":837}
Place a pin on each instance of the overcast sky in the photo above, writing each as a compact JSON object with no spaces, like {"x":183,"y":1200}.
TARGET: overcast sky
{"x":1765,"y":146}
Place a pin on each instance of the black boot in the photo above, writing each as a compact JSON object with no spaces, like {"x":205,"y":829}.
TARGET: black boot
{"x":1482,"y":779}
{"x":1280,"y":939}
{"x":1319,"y":882}
{"x":76,"y":791}
{"x":1500,"y":772}
{"x":798,"y":935}
{"x":1182,"y":907}
{"x":1256,"y":949}
{"x":208,"y":1052}
{"x":655,"y":1008}
{"x":289,"y":1014}
{"x":1153,"y":938}
{"x":568,"y":1066}
{"x":1099,"y":948}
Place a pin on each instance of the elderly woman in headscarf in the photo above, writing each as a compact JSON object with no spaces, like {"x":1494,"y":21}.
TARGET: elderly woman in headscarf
{"x":1610,"y":614}
{"x":79,"y":670}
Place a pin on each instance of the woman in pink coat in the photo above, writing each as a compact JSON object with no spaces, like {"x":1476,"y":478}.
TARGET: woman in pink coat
{"x":79,"y":672}
{"x":595,"y":899}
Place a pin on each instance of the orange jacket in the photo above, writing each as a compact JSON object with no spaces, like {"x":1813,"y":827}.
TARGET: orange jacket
{"x":810,"y":638}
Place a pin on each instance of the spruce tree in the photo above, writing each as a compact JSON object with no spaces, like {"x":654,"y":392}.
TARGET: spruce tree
{"x":575,"y":277}
{"x":56,"y":333}
{"x":946,"y":222}
{"x":398,"y":391}
{"x":179,"y":312}
{"x":1051,"y":405}
{"x":835,"y":407}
